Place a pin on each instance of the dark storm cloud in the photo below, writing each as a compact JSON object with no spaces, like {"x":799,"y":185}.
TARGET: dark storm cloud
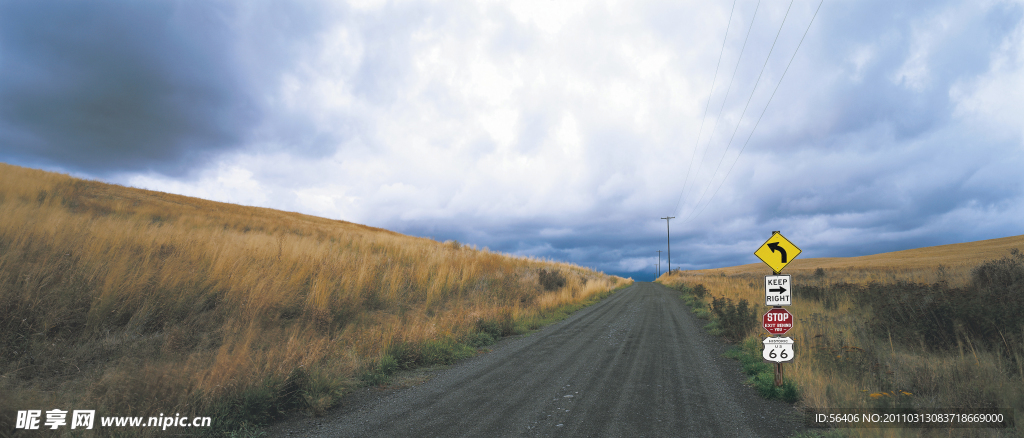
{"x":113,"y":86}
{"x":596,"y":245}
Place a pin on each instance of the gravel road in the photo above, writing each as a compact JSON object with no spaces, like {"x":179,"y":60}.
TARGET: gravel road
{"x":637,"y":364}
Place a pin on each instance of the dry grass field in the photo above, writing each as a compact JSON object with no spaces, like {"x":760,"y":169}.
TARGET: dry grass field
{"x":133,"y":302}
{"x":937,"y":327}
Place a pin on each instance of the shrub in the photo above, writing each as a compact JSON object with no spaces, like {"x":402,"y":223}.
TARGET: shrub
{"x":480,"y":339}
{"x":939,"y":314}
{"x":790,"y":392}
{"x":259,"y":404}
{"x":405,"y":354}
{"x":699,"y":291}
{"x":490,"y":326}
{"x":381,"y":374}
{"x":552,"y":280}
{"x":1004,"y":274}
{"x":445,"y":351}
{"x":735,"y":320}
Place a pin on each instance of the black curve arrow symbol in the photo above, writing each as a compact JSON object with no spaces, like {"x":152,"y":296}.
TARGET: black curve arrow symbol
{"x":781,"y":290}
{"x":774,"y":246}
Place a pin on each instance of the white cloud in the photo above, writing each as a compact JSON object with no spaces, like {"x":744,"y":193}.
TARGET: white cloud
{"x":860,"y":58}
{"x":227,"y":183}
{"x":995,"y":100}
{"x":634,"y":264}
{"x":550,"y":17}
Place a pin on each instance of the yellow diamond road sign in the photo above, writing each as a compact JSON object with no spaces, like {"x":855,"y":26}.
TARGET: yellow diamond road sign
{"x":777,"y":252}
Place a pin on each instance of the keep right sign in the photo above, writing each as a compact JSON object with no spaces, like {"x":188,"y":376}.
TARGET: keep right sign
{"x":778,"y":290}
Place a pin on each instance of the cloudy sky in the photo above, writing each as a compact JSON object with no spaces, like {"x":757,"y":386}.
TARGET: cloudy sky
{"x":555,"y":129}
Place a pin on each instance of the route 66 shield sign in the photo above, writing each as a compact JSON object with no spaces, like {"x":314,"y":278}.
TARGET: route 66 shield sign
{"x":778,"y":349}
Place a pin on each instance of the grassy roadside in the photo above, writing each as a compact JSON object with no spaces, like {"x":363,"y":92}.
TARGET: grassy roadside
{"x":734,"y":322}
{"x":885,"y":336}
{"x":137,"y":303}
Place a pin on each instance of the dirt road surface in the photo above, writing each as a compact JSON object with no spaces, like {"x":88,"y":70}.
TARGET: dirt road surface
{"x":637,"y":364}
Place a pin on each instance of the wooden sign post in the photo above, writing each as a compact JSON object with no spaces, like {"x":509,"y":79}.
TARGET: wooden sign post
{"x":777,"y":252}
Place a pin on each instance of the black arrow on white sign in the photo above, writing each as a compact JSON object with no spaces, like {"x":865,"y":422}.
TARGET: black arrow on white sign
{"x":780,"y":290}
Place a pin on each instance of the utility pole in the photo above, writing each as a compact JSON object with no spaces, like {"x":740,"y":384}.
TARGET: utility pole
{"x":659,"y":263}
{"x":669,"y":229}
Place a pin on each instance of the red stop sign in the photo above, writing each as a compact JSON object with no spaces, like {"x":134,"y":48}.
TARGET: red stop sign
{"x":778,"y":321}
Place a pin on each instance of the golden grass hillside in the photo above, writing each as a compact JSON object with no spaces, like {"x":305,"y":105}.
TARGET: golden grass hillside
{"x":931,"y":264}
{"x":133,"y":302}
{"x":936,"y":327}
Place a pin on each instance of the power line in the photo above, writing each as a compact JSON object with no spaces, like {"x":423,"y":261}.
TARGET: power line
{"x":708,"y":105}
{"x":739,"y":121}
{"x":714,"y":128}
{"x":765,"y":108}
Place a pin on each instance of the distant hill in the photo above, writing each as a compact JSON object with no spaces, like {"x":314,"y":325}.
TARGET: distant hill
{"x":954,"y":256}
